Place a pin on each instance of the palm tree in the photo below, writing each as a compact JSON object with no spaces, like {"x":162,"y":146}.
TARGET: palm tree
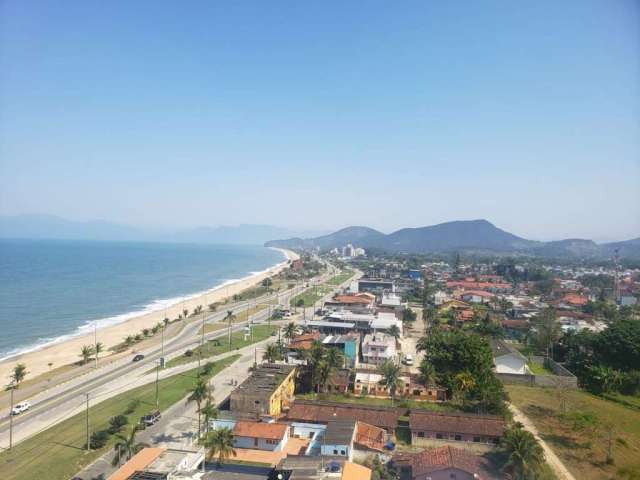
{"x":99,"y":348}
{"x":220,"y":443}
{"x":272,"y":353}
{"x":525,"y":456}
{"x":127,"y":446}
{"x":290,"y":331}
{"x":199,"y":394}
{"x":210,"y":412}
{"x":86,"y":353}
{"x":229,"y":318}
{"x":390,"y":372}
{"x":394,"y":331}
{"x":18,"y":374}
{"x":129,"y":340}
{"x":428,"y":374}
{"x":463,"y":383}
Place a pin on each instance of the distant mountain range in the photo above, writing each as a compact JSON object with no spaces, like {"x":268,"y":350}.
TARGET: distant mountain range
{"x":479,"y":236}
{"x":52,"y":227}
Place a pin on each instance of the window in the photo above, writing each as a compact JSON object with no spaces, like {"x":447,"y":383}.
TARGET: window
{"x":335,"y":452}
{"x":343,"y":452}
{"x":476,"y":439}
{"x":416,"y":392}
{"x":458,"y":437}
{"x":439,"y":436}
{"x":255,"y":442}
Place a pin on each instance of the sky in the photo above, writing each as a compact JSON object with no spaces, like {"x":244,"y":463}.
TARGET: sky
{"x":321,"y":115}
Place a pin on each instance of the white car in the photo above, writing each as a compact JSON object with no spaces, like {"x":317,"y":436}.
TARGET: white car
{"x":408,"y":360}
{"x":20,"y":407}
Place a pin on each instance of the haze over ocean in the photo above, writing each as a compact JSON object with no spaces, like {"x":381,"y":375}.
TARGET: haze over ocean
{"x":53,"y":289}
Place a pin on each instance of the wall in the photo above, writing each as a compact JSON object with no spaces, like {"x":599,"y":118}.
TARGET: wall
{"x":262,"y":444}
{"x":562,"y":377}
{"x":429,"y":437}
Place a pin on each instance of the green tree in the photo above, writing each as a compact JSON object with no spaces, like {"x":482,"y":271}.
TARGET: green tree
{"x":86,"y":353}
{"x":209,"y":412}
{"x":229,"y":318}
{"x":290,"y":331}
{"x":219,"y":444}
{"x":390,"y":372}
{"x":394,"y":331}
{"x":525,"y":455}
{"x":199,"y":394}
{"x":547,"y":331}
{"x":273,"y":353}
{"x":18,"y":374}
{"x":98,"y":349}
{"x":127,"y":446}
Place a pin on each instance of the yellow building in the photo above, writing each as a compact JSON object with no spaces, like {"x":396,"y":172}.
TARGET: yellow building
{"x":268,"y":391}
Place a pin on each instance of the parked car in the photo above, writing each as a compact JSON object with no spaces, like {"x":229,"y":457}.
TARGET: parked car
{"x":150,"y":419}
{"x":20,"y":407}
{"x":138,"y":357}
{"x":408,"y":359}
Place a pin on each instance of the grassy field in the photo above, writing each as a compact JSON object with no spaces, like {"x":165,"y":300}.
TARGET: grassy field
{"x":382,"y":402}
{"x":580,"y":437}
{"x":221,"y":345}
{"x":311,"y":296}
{"x":539,"y":369}
{"x":340,"y":278}
{"x":58,"y":453}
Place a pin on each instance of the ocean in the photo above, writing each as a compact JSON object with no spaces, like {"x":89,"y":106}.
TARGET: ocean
{"x":53,"y":289}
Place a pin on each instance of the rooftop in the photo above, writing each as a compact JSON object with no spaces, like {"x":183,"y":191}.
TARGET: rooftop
{"x":430,"y":461}
{"x":270,"y":431}
{"x":265,"y":378}
{"x":339,"y":432}
{"x":323,"y":412}
{"x":488,"y":425}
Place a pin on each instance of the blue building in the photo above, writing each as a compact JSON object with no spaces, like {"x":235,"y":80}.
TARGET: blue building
{"x":338,"y":439}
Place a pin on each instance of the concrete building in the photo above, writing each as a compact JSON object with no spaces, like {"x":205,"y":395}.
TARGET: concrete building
{"x":260,"y":435}
{"x":507,"y":359}
{"x":444,"y":463}
{"x":378,"y":347}
{"x":267,"y":392}
{"x":348,"y":344}
{"x":338,"y":438}
{"x":427,"y":426}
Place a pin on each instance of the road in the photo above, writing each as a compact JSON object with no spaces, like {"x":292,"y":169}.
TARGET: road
{"x":64,"y":400}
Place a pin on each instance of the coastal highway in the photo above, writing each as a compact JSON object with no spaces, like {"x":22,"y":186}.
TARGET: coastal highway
{"x":58,"y":403}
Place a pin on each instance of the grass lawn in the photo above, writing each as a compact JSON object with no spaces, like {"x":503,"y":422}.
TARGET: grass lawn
{"x":382,"y":402}
{"x":583,"y":451}
{"x":221,"y":345}
{"x":539,"y":369}
{"x":340,"y":278}
{"x":311,"y":296}
{"x":58,"y":453}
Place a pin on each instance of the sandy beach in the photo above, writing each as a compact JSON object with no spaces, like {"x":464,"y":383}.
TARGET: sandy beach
{"x":67,"y":351}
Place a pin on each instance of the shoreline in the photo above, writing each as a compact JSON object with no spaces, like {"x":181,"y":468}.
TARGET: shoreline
{"x":65,"y":349}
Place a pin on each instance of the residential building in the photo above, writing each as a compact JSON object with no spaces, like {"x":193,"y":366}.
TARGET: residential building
{"x":260,"y":435}
{"x":338,"y":438}
{"x":267,"y":392}
{"x":375,"y":286}
{"x":369,"y":383}
{"x":159,"y":463}
{"x":427,"y":426}
{"x":444,"y":463}
{"x":378,"y":348}
{"x":348,"y":344}
{"x":476,"y":296}
{"x":370,"y":437}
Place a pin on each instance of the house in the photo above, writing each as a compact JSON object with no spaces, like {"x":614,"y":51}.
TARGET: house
{"x":260,"y":435}
{"x":323,"y":412}
{"x":476,"y":296}
{"x":159,"y":463}
{"x":267,"y":392}
{"x":338,"y":438}
{"x":370,"y":437}
{"x":573,"y":300}
{"x":427,"y":426}
{"x":444,"y":463}
{"x":295,"y":467}
{"x":359,"y":300}
{"x":338,"y":382}
{"x":375,"y":286}
{"x":507,"y":359}
{"x":440,"y":297}
{"x":369,"y":383}
{"x":378,"y":348}
{"x":348,"y":344}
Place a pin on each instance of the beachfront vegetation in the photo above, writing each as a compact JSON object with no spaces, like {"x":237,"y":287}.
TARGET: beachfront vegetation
{"x":216,"y":346}
{"x":18,"y":374}
{"x":585,"y":430}
{"x":58,"y":452}
{"x":86,"y":352}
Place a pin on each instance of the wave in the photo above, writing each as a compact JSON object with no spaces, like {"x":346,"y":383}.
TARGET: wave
{"x":154,"y":306}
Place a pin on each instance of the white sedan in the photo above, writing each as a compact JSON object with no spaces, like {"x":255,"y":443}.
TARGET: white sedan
{"x":20,"y":407}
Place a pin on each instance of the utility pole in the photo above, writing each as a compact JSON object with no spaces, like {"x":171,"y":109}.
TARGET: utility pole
{"x":12,"y":387}
{"x":158,"y":385}
{"x":88,"y":445}
{"x":162,"y":343}
{"x":95,"y":340}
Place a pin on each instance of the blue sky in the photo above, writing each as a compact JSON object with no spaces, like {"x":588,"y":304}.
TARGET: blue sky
{"x":324,"y":114}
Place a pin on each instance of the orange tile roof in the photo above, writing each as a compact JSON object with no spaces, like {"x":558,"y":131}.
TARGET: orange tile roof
{"x":139,"y":461}
{"x":370,"y":436}
{"x":574,"y":299}
{"x":353,"y":471}
{"x":353,"y":299}
{"x":271,"y":431}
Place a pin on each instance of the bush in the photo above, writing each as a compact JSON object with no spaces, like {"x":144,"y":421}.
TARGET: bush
{"x":630,"y":384}
{"x":132,"y":406}
{"x":188,"y":353}
{"x":116,"y":423}
{"x":98,"y":439}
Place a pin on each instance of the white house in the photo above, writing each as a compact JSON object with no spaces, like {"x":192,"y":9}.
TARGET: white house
{"x":378,"y":347}
{"x":507,"y":359}
{"x":260,"y":435}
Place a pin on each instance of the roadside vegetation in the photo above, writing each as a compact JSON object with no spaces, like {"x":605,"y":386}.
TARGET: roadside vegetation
{"x":342,"y":277}
{"x":60,"y":451}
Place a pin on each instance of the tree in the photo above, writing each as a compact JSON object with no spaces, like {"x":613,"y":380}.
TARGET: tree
{"x":18,"y":374}
{"x":99,"y":348}
{"x":390,"y":372}
{"x":394,"y":331}
{"x":219,"y":444}
{"x":117,"y":423}
{"x":210,"y":412}
{"x":273,"y":353}
{"x":463,"y":384}
{"x":199,"y":393}
{"x":428,"y":374}
{"x":267,"y":282}
{"x":127,"y":446}
{"x":525,"y":455}
{"x":146,"y":332}
{"x":86,"y":353}
{"x":547,"y":330}
{"x":229,"y":318}
{"x":408,"y":316}
{"x":129,"y":340}
{"x":290,"y":331}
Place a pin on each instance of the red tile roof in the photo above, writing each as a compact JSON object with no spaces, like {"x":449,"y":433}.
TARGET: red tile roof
{"x":487,"y":425}
{"x":353,"y":299}
{"x":304,"y":341}
{"x":322,"y":412}
{"x":577,"y":300}
{"x":270,"y":431}
{"x":434,"y":460}
{"x":370,"y":437}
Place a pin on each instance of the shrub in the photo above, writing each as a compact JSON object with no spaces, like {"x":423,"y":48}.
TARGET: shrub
{"x":116,"y":423}
{"x":132,"y":406}
{"x":188,"y":353}
{"x":98,"y":439}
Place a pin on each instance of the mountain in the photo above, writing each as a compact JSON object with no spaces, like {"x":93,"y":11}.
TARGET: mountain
{"x":476,"y":236}
{"x":52,"y":227}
